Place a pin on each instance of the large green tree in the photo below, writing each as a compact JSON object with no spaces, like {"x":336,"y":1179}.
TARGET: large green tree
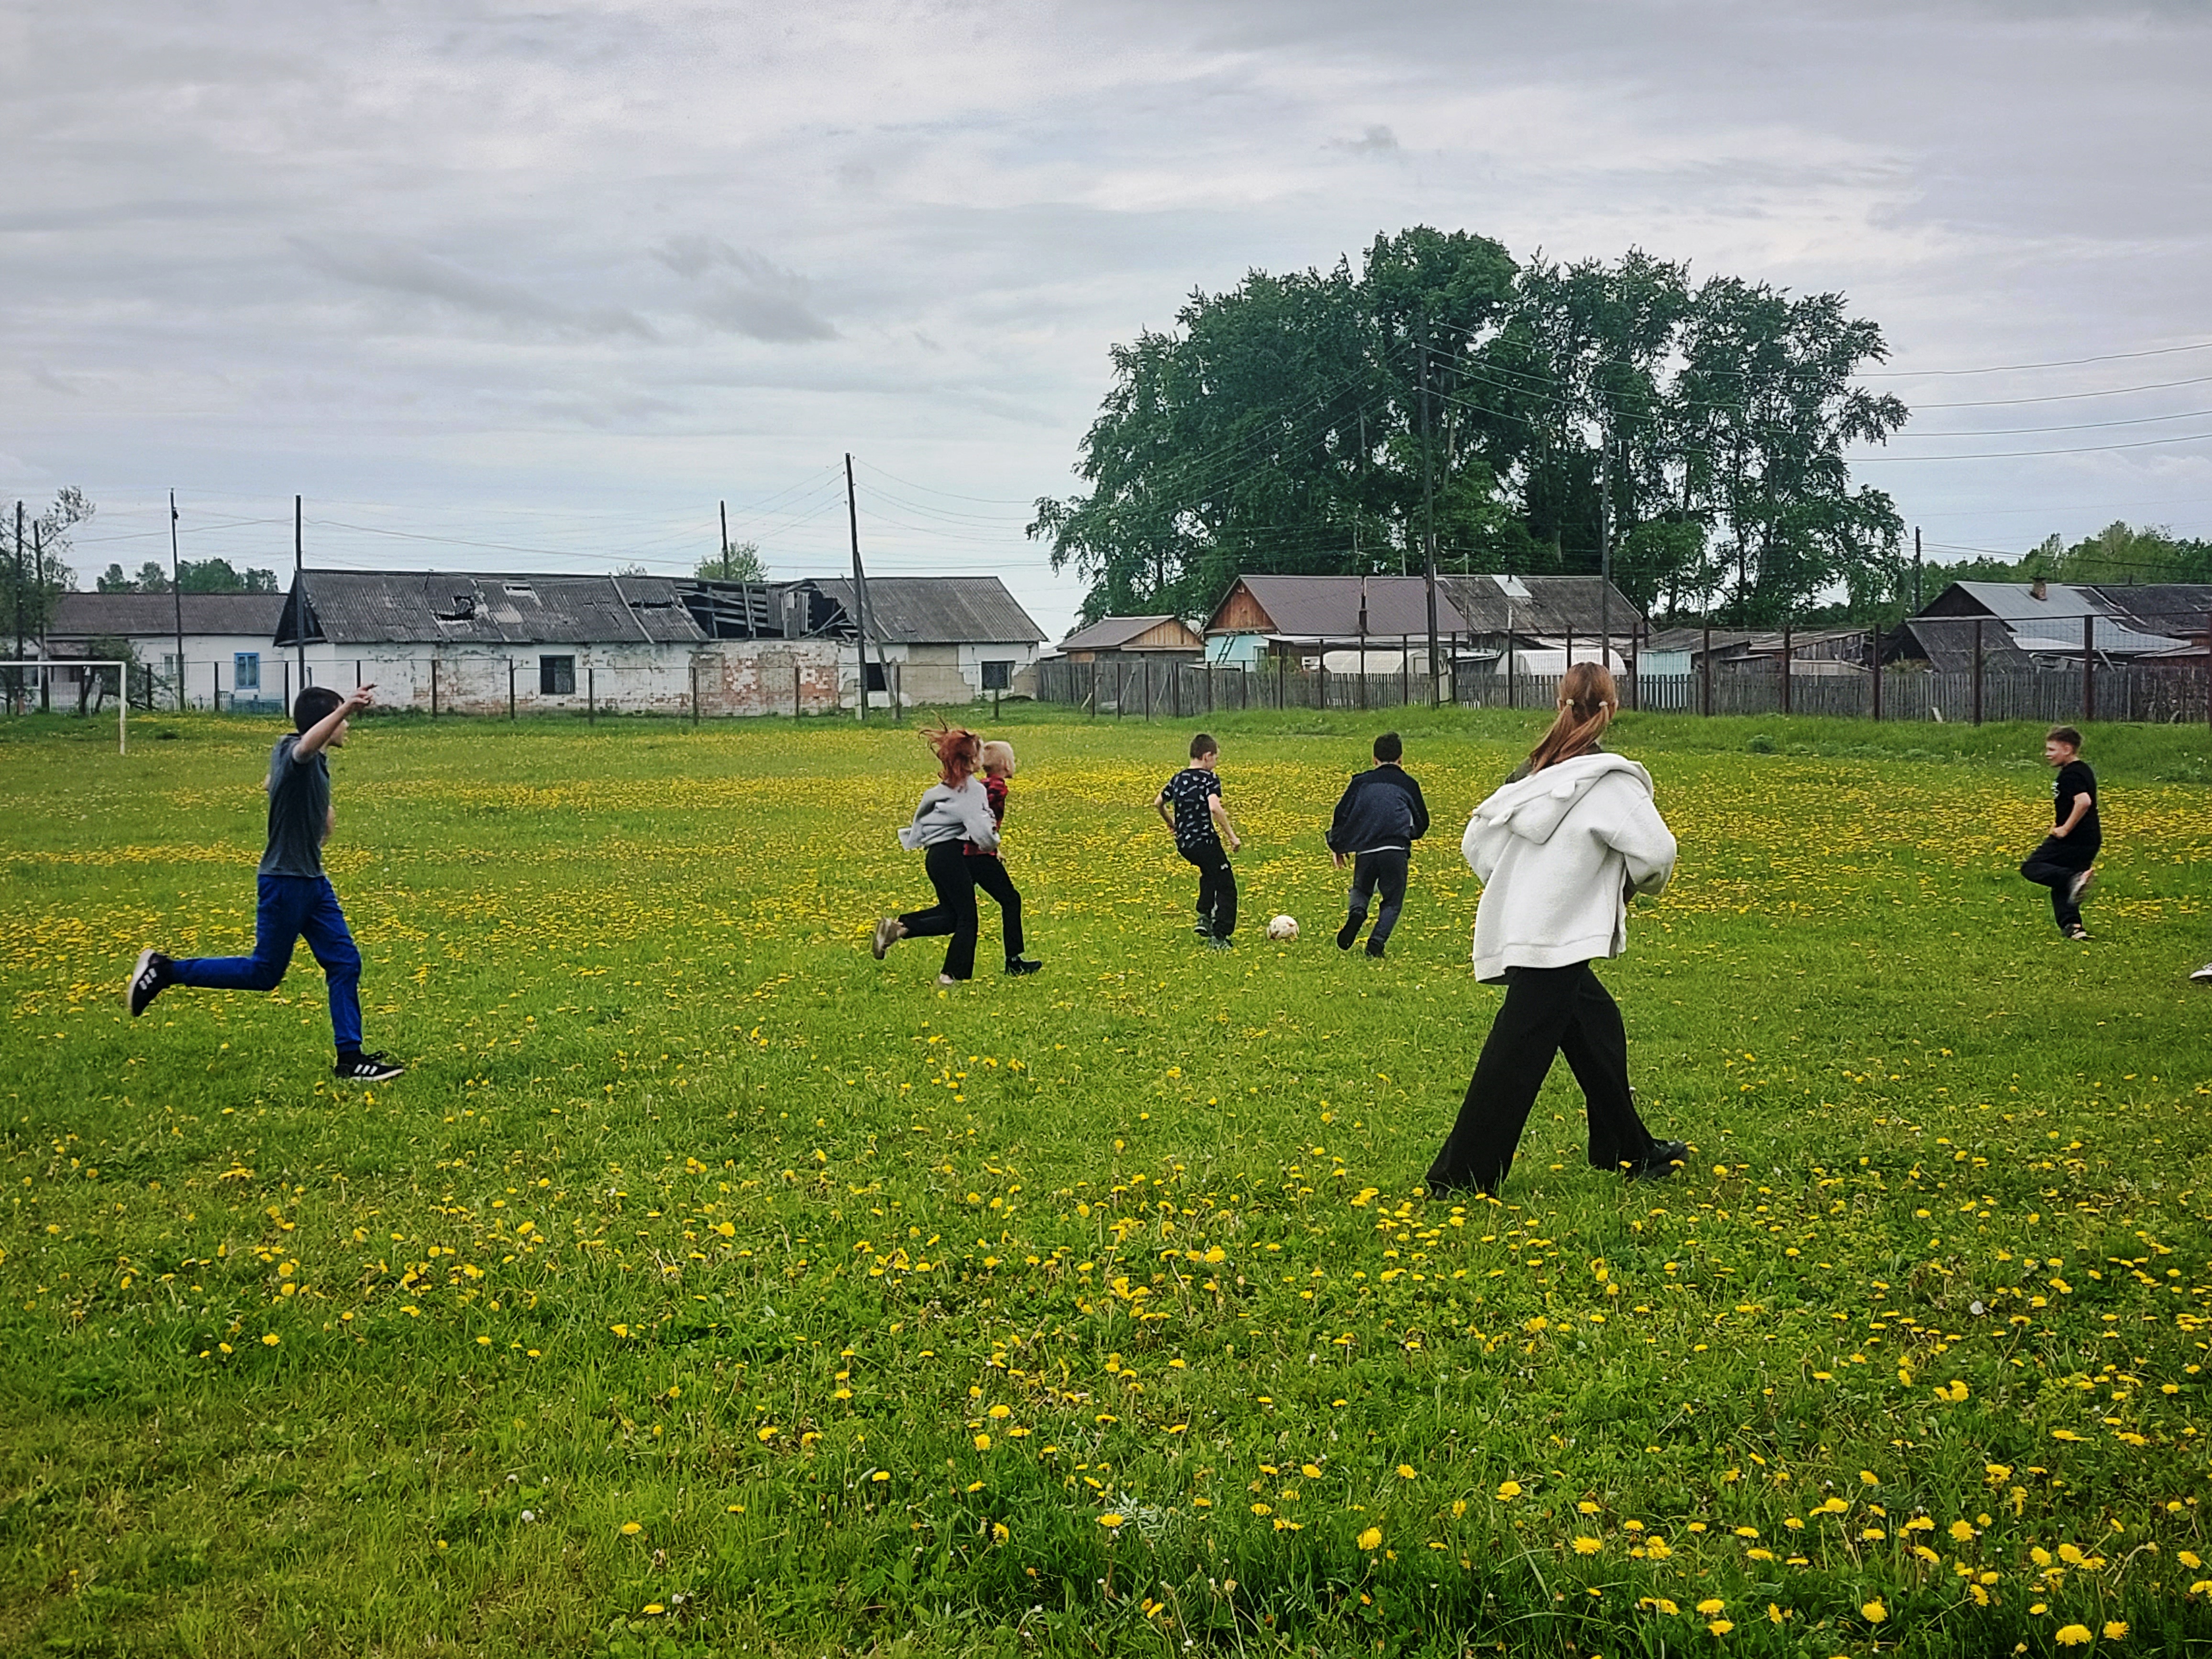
{"x":1325,"y":420}
{"x":34,"y":572}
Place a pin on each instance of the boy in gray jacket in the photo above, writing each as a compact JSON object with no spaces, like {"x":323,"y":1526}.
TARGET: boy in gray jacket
{"x":954,"y":813}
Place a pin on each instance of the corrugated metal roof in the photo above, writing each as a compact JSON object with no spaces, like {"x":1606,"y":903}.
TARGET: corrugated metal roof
{"x":94,"y":616}
{"x":359,"y":607}
{"x":1328,"y":607}
{"x":2016,"y":602}
{"x":1543,"y":604}
{"x":1108,"y":632}
{"x":939,"y":610}
{"x":1947,"y":642}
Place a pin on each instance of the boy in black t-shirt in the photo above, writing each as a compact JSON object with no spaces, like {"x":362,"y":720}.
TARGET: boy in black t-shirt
{"x":1190,"y":805}
{"x":295,"y":896}
{"x":2066,"y":863}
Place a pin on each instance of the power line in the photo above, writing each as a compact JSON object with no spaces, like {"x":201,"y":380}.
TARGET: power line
{"x":2015,"y":368}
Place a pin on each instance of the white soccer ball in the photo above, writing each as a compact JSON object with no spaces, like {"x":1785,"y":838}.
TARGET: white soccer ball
{"x":1283,"y":928}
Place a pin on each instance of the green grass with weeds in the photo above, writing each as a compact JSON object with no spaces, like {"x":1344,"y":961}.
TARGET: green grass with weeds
{"x":709,"y":1288}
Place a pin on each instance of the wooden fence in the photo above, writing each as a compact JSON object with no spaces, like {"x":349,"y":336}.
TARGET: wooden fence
{"x":2163,"y":693}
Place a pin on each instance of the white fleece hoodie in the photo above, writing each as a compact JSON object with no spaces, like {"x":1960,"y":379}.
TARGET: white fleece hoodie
{"x":1556,"y":854}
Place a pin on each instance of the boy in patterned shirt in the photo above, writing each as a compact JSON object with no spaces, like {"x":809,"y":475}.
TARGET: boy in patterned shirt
{"x":1190,"y":805}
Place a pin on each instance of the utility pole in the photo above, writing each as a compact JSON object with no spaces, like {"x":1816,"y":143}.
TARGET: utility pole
{"x":1429,"y":514}
{"x":1604,"y":553}
{"x":38,"y":587}
{"x":724,"y":505}
{"x":860,"y":594}
{"x":19,"y":582}
{"x":1916,"y":570}
{"x":177,"y":596}
{"x":299,"y":590}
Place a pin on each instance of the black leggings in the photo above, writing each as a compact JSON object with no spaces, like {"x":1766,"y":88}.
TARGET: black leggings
{"x":1216,"y":888}
{"x":954,"y":913}
{"x":1548,"y":1010}
{"x":989,"y":872}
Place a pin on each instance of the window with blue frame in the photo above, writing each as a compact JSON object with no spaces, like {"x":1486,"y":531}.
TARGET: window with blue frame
{"x":246,"y":672}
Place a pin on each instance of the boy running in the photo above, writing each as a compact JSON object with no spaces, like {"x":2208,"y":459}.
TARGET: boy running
{"x":1378,"y":820}
{"x":1190,"y":805}
{"x":2066,"y":863}
{"x":296,"y":899}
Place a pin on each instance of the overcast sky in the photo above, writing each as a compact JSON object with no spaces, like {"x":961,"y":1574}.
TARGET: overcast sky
{"x":533,"y":287}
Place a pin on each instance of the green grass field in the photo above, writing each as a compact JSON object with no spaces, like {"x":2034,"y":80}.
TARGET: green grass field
{"x":709,"y":1288}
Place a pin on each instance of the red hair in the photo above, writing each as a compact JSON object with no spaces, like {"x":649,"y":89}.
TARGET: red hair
{"x":959,"y":751}
{"x":1587,"y":702}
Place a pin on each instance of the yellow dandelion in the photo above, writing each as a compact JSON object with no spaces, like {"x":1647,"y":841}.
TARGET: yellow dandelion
{"x":630,"y":1529}
{"x":1372,"y":1538}
{"x":1873,"y":1612}
{"x":2115,"y":1630}
{"x":1587,"y":1546}
{"x":1508,"y":1490}
{"x":2072,"y":1636}
{"x":270,"y":1340}
{"x":1721,"y":1627}
{"x":1405,"y":1471}
{"x":1712,"y":1605}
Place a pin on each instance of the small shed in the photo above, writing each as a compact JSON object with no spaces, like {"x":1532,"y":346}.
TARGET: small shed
{"x":1112,"y":637}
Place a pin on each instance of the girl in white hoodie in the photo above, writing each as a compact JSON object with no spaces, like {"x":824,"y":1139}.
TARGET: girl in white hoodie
{"x":955,"y":811}
{"x":1559,"y":850}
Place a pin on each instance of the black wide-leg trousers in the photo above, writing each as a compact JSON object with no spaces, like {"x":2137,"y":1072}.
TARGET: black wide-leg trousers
{"x":954,"y":913}
{"x":1548,"y":1011}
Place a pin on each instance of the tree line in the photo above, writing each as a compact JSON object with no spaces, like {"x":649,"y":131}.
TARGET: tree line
{"x":1323,"y":421}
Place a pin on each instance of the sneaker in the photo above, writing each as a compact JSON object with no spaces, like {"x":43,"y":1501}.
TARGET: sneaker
{"x":1348,"y":934}
{"x":1202,"y":927}
{"x":153,"y":975}
{"x":1660,"y":1161}
{"x":2203,"y":975}
{"x":947,"y":979}
{"x":1214,"y":944}
{"x":887,"y":933}
{"x":2080,"y":884}
{"x":2078,"y":933}
{"x":1018,"y":965}
{"x":1374,"y":952}
{"x":366,"y":1068}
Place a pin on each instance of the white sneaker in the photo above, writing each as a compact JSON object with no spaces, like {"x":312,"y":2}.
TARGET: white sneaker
{"x":2203,"y":975}
{"x":2080,"y":884}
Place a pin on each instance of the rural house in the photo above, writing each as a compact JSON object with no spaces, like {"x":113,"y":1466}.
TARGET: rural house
{"x":943,"y":639}
{"x":228,"y":660}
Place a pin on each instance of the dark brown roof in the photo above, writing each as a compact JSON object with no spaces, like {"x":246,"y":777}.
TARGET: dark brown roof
{"x":1328,"y":607}
{"x":97,"y":616}
{"x":939,"y":610}
{"x":361,"y":607}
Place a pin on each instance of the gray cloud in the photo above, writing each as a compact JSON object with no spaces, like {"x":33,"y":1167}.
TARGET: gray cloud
{"x":744,"y":291}
{"x":410,"y":272}
{"x":390,"y":255}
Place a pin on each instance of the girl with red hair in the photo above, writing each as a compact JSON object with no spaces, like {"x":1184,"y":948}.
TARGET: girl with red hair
{"x":955,"y":813}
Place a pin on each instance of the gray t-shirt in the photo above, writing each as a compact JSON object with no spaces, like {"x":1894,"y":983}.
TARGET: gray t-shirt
{"x":298,"y":811}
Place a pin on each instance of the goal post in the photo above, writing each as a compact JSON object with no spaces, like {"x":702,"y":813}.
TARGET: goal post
{"x":35,"y":674}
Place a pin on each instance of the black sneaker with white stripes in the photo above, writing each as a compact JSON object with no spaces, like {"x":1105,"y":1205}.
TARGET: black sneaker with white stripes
{"x":366,"y":1068}
{"x":154,"y":975}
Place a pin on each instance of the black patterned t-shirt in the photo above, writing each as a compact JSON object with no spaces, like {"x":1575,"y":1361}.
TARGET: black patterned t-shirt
{"x":1189,"y":791}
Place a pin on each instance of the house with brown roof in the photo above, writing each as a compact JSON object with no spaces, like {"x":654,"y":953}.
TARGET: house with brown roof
{"x":1482,"y":618}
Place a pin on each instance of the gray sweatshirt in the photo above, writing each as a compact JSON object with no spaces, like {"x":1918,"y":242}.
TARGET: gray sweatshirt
{"x":962,"y":814}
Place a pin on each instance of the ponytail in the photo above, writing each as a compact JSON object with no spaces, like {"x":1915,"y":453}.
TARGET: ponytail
{"x":1587,"y":704}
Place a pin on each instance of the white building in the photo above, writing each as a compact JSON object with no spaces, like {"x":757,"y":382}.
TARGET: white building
{"x":228,"y":660}
{"x":943,"y":639}
{"x":463,"y":642}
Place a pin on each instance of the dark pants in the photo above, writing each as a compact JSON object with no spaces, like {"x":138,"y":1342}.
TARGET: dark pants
{"x":954,"y":913}
{"x":2054,"y":865}
{"x":1548,"y":1010}
{"x":1385,"y":869}
{"x":989,"y":873}
{"x":291,"y":908}
{"x":1216,"y":888}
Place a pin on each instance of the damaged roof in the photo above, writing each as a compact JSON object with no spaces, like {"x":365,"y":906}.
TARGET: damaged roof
{"x":362,"y":607}
{"x":937,"y":609}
